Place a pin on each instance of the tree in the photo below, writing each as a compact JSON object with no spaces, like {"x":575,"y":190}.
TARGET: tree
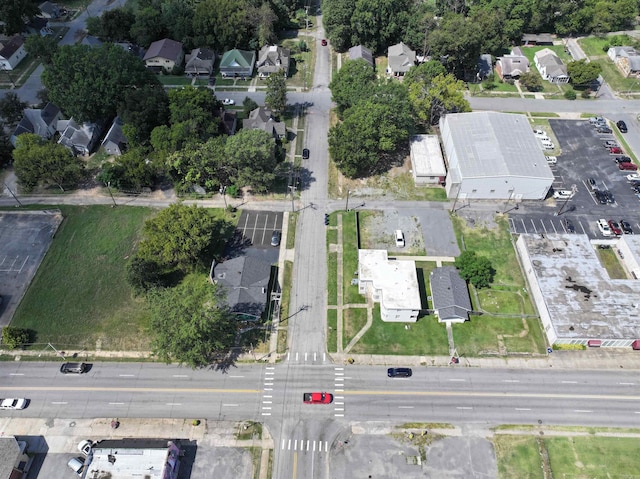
{"x":12,"y":108}
{"x":223,"y":24}
{"x":41,"y":47}
{"x":443,"y":95}
{"x":191,"y":323}
{"x":15,"y":338}
{"x":145,"y":274}
{"x":142,"y":109}
{"x":424,"y":73}
{"x":248,"y":105}
{"x":531,"y":81}
{"x":475,"y":269}
{"x":380,"y":23}
{"x":204,"y":165}
{"x":583,"y":73}
{"x":13,"y":13}
{"x":6,"y":148}
{"x":148,"y":26}
{"x":180,"y":237}
{"x":276,"y":98}
{"x":130,"y":171}
{"x":336,"y":19}
{"x":113,"y":25}
{"x":37,"y":161}
{"x":251,"y":159}
{"x":351,"y":84}
{"x":457,"y":42}
{"x":89,"y":83}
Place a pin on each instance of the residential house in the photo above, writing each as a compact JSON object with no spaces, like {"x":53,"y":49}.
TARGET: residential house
{"x":626,"y":60}
{"x":534,"y":39}
{"x":42,"y":122}
{"x":450,"y":295}
{"x":550,"y":66}
{"x":80,"y":139}
{"x":38,"y":26}
{"x":401,"y":58}
{"x":165,"y":54}
{"x":246,"y":280}
{"x":49,"y":10}
{"x":510,"y":67}
{"x":237,"y":63}
{"x":360,"y":51}
{"x":392,"y":283}
{"x":228,"y":121}
{"x":485,"y":66}
{"x":14,"y":459}
{"x":200,"y":62}
{"x":271,"y":59}
{"x":262,"y":119}
{"x":115,"y":143}
{"x":12,"y":52}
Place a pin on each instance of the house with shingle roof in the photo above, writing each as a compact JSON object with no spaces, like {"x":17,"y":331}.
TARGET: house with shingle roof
{"x":450,"y":295}
{"x":237,"y":63}
{"x":115,"y":143}
{"x":80,"y":139}
{"x":42,"y":122}
{"x":401,"y":58}
{"x":262,"y":119}
{"x":550,"y":66}
{"x":360,"y":51}
{"x":49,"y":10}
{"x":626,"y":60}
{"x":271,"y":59}
{"x":200,"y":62}
{"x":164,"y":54}
{"x":12,"y":52}
{"x":510,"y":67}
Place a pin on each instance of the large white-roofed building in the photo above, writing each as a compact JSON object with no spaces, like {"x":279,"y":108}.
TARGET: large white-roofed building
{"x":427,"y":162}
{"x":495,"y":156}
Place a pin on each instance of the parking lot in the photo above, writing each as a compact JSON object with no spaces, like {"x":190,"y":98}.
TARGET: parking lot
{"x":582,"y":157}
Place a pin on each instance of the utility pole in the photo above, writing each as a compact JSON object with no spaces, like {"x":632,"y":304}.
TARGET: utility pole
{"x":14,"y":196}
{"x":223,"y":191}
{"x":346,"y":206}
{"x":110,"y":193}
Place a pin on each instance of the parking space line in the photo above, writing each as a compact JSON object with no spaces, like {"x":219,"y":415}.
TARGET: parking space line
{"x":543,"y":226}
{"x":534,"y":226}
{"x":523,"y":225}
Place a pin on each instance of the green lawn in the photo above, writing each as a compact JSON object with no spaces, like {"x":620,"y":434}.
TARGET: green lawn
{"x":332,"y":281}
{"x":350,"y":259}
{"x":402,"y":186}
{"x":609,"y":259}
{"x":353,"y":321}
{"x":615,"y":79}
{"x":80,"y":294}
{"x":479,"y":336}
{"x":426,"y":336}
{"x":517,"y":456}
{"x":332,"y":330}
{"x":291,"y":230}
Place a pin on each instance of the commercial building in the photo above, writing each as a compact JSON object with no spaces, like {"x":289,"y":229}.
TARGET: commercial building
{"x":493,"y":156}
{"x":427,"y":162}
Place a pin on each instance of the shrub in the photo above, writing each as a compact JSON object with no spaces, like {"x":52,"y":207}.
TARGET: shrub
{"x":570,"y":94}
{"x":586,"y":93}
{"x":15,"y":338}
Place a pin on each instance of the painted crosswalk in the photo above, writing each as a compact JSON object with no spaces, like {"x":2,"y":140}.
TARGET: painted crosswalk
{"x":307,"y":357}
{"x":338,"y":398}
{"x":305,"y":445}
{"x":267,"y":396}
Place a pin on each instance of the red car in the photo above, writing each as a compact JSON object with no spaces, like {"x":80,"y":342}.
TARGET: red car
{"x":317,"y":398}
{"x":615,"y":228}
{"x":615,"y":150}
{"x":323,"y":42}
{"x":627,"y":166}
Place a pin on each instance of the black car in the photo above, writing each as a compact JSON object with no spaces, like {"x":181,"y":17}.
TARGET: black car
{"x":604,"y":129}
{"x":569,"y":226}
{"x":626,"y":227}
{"x":305,"y":154}
{"x":636,"y":189}
{"x":609,"y":196}
{"x":622,"y":159}
{"x":275,"y":238}
{"x":399,"y":372}
{"x":600,"y":196}
{"x":622,"y":126}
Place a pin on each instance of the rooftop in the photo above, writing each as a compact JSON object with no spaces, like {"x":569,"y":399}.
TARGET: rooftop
{"x":426,"y":155}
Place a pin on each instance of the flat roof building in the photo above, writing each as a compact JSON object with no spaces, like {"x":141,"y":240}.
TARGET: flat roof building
{"x":493,"y":156}
{"x":427,"y":162}
{"x":393,"y":284}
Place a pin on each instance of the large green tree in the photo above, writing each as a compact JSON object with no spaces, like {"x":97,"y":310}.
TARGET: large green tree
{"x":130,"y":171}
{"x":39,"y":162}
{"x":191,"y":323}
{"x":113,"y":25}
{"x":475,"y":269}
{"x":13,"y":13}
{"x":12,"y":108}
{"x":380,"y":23}
{"x":457,"y":43}
{"x":336,"y":19}
{"x":203,"y":165}
{"x":252,"y":159}
{"x":142,"y":109}
{"x":583,"y":73}
{"x":89,"y":83}
{"x":351,"y":84}
{"x":276,"y":97}
{"x":435,"y":97}
{"x":41,"y":47}
{"x":223,"y":24}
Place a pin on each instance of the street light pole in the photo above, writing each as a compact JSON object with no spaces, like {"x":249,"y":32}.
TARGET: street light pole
{"x":346,"y":206}
{"x":111,"y":194}
{"x":223,"y":191}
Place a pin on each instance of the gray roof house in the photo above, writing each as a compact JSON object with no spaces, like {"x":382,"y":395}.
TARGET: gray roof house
{"x":272,"y":58}
{"x":12,"y":51}
{"x":246,"y":280}
{"x":450,"y":295}
{"x":360,"y":51}
{"x":262,"y":119}
{"x":115,"y":143}
{"x":626,"y":59}
{"x":164,"y":54}
{"x":550,"y":66}
{"x":531,"y":39}
{"x":401,"y":59}
{"x":200,"y":62}
{"x":513,"y":65}
{"x":41,"y":122}
{"x":237,"y":63}
{"x":80,"y":139}
{"x":49,"y":10}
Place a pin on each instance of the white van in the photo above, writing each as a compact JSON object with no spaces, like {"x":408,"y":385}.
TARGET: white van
{"x":399,"y":238}
{"x":547,"y":144}
{"x":76,"y":464}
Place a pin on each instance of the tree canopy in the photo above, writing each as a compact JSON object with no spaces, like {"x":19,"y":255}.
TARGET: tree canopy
{"x":13,"y":13}
{"x":442,"y":94}
{"x":89,"y":83}
{"x":12,"y":108}
{"x":583,"y":73}
{"x":475,"y":269}
{"x":351,"y":84}
{"x":251,"y":159}
{"x":276,"y":97}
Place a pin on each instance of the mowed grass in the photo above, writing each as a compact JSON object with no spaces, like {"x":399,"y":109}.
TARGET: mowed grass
{"x":517,"y":456}
{"x":80,"y":294}
{"x":332,"y":330}
{"x":426,"y":336}
{"x":350,"y":259}
{"x":353,"y":321}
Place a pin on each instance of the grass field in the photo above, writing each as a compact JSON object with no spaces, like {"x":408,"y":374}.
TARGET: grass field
{"x":79,"y":297}
{"x":611,"y":263}
{"x":517,"y":456}
{"x":353,"y":321}
{"x":350,"y":259}
{"x":332,"y":330}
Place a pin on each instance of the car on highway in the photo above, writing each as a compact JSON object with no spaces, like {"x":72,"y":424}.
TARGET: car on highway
{"x":228,"y":101}
{"x":626,"y":227}
{"x":568,"y":224}
{"x":603,"y":226}
{"x":552,"y":160}
{"x":275,"y":238}
{"x":399,"y":372}
{"x":317,"y":398}
{"x":563,"y":194}
{"x":633,"y":177}
{"x":13,"y":403}
{"x":323,"y":42}
{"x":305,"y":153}
{"x":615,"y":227}
{"x":622,"y":159}
{"x":622,"y":126}
{"x":604,"y":129}
{"x":615,"y":150}
{"x":73,"y":368}
{"x":627,"y":166}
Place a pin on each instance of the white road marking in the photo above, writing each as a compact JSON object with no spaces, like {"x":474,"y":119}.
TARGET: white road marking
{"x":626,"y":384}
{"x":177,"y":404}
{"x":340,"y":390}
{"x":339,"y":369}
{"x":510,"y":381}
{"x":569,"y":382}
{"x":267,"y":396}
{"x":236,"y":376}
{"x":326,"y":446}
{"x":266,"y":402}
{"x":270,"y":367}
{"x":339,"y":374}
{"x":268,"y":389}
{"x":266,"y":414}
{"x":581,"y":410}
{"x":180,"y":376}
{"x":263,"y":407}
{"x":339,"y":397}
{"x":16,"y":374}
{"x":314,"y":446}
{"x":339,"y":403}
{"x":339,"y":409}
{"x":282,"y":444}
{"x":289,"y":444}
{"x":126,"y":375}
{"x":405,"y":407}
{"x":288,"y":356}
{"x":339,"y":379}
{"x":523,"y":409}
{"x":295,"y":445}
{"x":307,"y":445}
{"x":305,"y":356}
{"x":457,"y":380}
{"x":59,"y":402}
{"x":268,"y":384}
{"x":116,"y":403}
{"x":314,"y":356}
{"x":464,"y":407}
{"x":339,"y":415}
{"x":324,"y":357}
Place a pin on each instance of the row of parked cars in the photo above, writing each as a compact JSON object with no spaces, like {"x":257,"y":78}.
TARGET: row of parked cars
{"x":614,"y":228}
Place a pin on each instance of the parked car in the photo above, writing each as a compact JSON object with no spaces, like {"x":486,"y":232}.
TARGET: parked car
{"x":568,"y":224}
{"x":615,"y":227}
{"x":305,"y":153}
{"x":13,"y":403}
{"x":603,"y":226}
{"x":595,"y":120}
{"x":541,"y":134}
{"x":323,"y":42}
{"x":622,"y":159}
{"x":622,"y":126}
{"x":615,"y":150}
{"x":399,"y":236}
{"x":610,"y":144}
{"x":76,"y":464}
{"x":275,"y":238}
{"x":592,"y":183}
{"x":547,"y":145}
{"x":609,"y":196}
{"x":636,"y":188}
{"x":626,"y":227}
{"x":399,"y":372}
{"x":228,"y":101}
{"x":627,"y":166}
{"x":563,"y":194}
{"x":600,"y":196}
{"x":604,"y":129}
{"x":552,"y":160}
{"x":85,"y":446}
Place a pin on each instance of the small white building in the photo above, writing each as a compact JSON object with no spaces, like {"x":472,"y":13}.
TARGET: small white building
{"x":427,"y":162}
{"x":550,"y":66}
{"x":12,"y":52}
{"x":393,"y":284}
